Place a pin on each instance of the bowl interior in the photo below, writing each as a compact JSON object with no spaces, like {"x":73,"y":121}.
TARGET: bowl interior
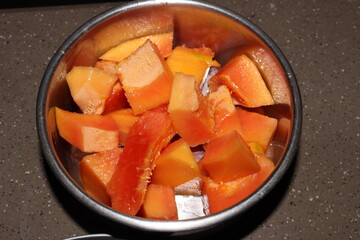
{"x":195,"y":24}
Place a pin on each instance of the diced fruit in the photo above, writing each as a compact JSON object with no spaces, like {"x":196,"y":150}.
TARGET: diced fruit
{"x":222,"y":195}
{"x":95,"y":172}
{"x":107,"y":66}
{"x":228,"y":157}
{"x":117,"y":99}
{"x":257,"y":127}
{"x":89,"y":133}
{"x":149,"y":135}
{"x":145,"y":78}
{"x":156,"y":128}
{"x":271,"y":72}
{"x":176,"y":165}
{"x":189,"y":111}
{"x":224,"y":111}
{"x":159,"y":203}
{"x":163,"y":41}
{"x":244,"y":80}
{"x":124,"y":119}
{"x":191,"y":61}
{"x":137,"y":25}
{"x":90,"y":87}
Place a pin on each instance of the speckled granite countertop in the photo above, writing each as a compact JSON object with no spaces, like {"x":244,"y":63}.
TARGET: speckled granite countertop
{"x":319,"y":197}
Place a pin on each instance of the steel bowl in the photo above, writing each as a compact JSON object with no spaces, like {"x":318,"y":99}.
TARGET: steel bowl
{"x":196,"y":23}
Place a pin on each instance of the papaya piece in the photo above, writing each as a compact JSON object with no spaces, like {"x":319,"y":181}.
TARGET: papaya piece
{"x":271,"y":72}
{"x":90,"y":87}
{"x":228,"y":157}
{"x":117,"y":99}
{"x":163,"y":41}
{"x":224,"y":111}
{"x":245,"y":82}
{"x":145,"y":78}
{"x":148,"y":136}
{"x":159,"y":203}
{"x":107,"y":66}
{"x":257,"y":127}
{"x":191,"y":61}
{"x":96,"y":170}
{"x":176,"y":165}
{"x":89,"y":133}
{"x":124,"y":119}
{"x":222,"y":195}
{"x":189,"y":111}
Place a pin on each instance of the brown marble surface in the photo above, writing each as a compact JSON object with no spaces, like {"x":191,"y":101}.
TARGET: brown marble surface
{"x":319,"y":197}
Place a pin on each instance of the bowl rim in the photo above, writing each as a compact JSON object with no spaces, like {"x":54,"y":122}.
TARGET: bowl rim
{"x":154,"y":225}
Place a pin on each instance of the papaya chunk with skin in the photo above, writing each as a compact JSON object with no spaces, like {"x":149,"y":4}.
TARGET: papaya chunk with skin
{"x":159,"y":203}
{"x":96,"y":170}
{"x":257,"y":127}
{"x":163,"y":41}
{"x":189,"y":111}
{"x":89,"y":133}
{"x":191,"y":61}
{"x":244,"y":80}
{"x":90,"y":87}
{"x":176,"y":165}
{"x":222,"y":195}
{"x":148,"y":136}
{"x":271,"y":71}
{"x":228,"y":157}
{"x":145,"y":78}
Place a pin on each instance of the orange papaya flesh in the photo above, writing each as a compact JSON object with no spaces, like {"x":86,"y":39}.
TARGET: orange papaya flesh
{"x":271,"y":72}
{"x":224,"y":111}
{"x":228,"y":157}
{"x":191,"y":61}
{"x":189,"y":111}
{"x":163,"y":41}
{"x":245,"y":82}
{"x":117,"y":99}
{"x":222,"y":195}
{"x":145,"y":78}
{"x":159,"y":203}
{"x":107,"y":66}
{"x":90,"y":87}
{"x":257,"y":127}
{"x":89,"y":133}
{"x":148,"y":136}
{"x":124,"y":119}
{"x":96,"y":170}
{"x":176,"y":165}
